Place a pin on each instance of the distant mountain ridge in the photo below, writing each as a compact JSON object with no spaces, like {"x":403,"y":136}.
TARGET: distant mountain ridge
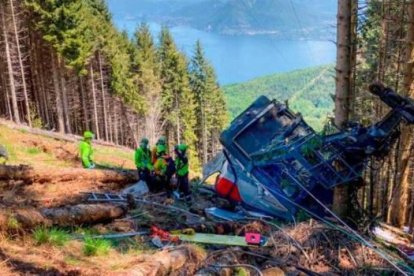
{"x":304,"y":19}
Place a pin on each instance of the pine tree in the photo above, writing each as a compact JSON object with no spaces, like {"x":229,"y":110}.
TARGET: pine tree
{"x":176,"y":96}
{"x":148,"y":81}
{"x":198,"y":78}
{"x":210,"y":105}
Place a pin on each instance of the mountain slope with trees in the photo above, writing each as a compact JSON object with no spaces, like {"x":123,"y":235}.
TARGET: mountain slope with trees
{"x":307,"y":91}
{"x":67,"y":68}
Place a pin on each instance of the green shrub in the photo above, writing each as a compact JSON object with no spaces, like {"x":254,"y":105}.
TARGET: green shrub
{"x":13,"y":224}
{"x":52,"y":236}
{"x":58,"y":237}
{"x":41,"y":235}
{"x":96,"y":247}
{"x":33,"y":150}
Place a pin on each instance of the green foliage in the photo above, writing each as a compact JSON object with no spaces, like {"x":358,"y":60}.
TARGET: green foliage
{"x":53,"y":236}
{"x":310,"y":146}
{"x":41,"y":235}
{"x":178,"y":103}
{"x":152,"y":81}
{"x":210,"y":105}
{"x":13,"y":223}
{"x":96,"y":247}
{"x":77,"y":29}
{"x":33,"y":150}
{"x":307,"y":91}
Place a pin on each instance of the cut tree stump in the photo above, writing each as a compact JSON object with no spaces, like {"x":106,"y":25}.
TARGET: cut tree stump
{"x":184,"y":258}
{"x":65,"y":216}
{"x":44,"y":175}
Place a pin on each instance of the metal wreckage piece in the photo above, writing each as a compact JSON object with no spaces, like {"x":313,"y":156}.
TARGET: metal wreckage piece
{"x":275,"y":164}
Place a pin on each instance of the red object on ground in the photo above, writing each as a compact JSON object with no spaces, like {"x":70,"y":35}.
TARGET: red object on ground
{"x":253,"y":238}
{"x":162,"y":234}
{"x":227,"y":189}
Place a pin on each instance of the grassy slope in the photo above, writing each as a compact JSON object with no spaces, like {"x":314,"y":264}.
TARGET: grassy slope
{"x":35,"y":150}
{"x":307,"y":90}
{"x":27,"y":255}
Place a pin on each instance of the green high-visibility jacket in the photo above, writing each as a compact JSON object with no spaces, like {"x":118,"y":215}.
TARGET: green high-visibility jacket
{"x":181,"y":165}
{"x":86,"y":153}
{"x":143,"y":158}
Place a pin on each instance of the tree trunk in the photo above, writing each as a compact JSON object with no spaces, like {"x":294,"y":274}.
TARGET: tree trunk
{"x":116,"y":134}
{"x":66,"y":216}
{"x":12,"y":86}
{"x":30,"y":175}
{"x":178,"y":126}
{"x":105,"y":116}
{"x":204,"y":132}
{"x":85,"y":116}
{"x":407,"y":137}
{"x":20,"y":59}
{"x":343,"y":87}
{"x":6,"y":98}
{"x":66,"y":112}
{"x":95,"y":109}
{"x":59,"y":110}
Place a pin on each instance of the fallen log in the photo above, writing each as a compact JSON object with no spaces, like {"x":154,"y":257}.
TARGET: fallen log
{"x":44,"y":175}
{"x":184,"y":259}
{"x":66,"y":216}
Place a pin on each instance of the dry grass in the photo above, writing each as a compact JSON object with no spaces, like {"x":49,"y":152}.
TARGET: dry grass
{"x":27,"y":256}
{"x":34,"y":150}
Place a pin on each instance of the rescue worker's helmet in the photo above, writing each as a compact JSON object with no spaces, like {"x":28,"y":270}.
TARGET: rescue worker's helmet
{"x":161,"y":149}
{"x":144,"y":142}
{"x":88,"y":135}
{"x":181,"y":148}
{"x":162,"y":140}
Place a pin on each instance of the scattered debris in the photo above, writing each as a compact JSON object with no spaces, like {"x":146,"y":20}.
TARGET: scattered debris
{"x":227,"y":240}
{"x":138,"y":189}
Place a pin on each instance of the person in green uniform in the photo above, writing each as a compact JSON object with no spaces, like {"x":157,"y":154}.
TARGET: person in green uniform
{"x":164,"y":169}
{"x":162,"y":141}
{"x":143,"y":161}
{"x":182,"y":170}
{"x":86,"y":150}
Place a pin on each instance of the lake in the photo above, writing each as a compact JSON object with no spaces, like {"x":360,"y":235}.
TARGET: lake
{"x":241,"y":58}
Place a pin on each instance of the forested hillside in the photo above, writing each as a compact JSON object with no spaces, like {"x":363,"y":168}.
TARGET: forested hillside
{"x":66,"y":67}
{"x":308,"y":91}
{"x":375,"y":42}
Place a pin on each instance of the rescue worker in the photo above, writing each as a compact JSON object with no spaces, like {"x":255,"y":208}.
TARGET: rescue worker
{"x":182,"y":169}
{"x":86,"y":150}
{"x":143,"y":161}
{"x":164,"y":169}
{"x":162,"y":141}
